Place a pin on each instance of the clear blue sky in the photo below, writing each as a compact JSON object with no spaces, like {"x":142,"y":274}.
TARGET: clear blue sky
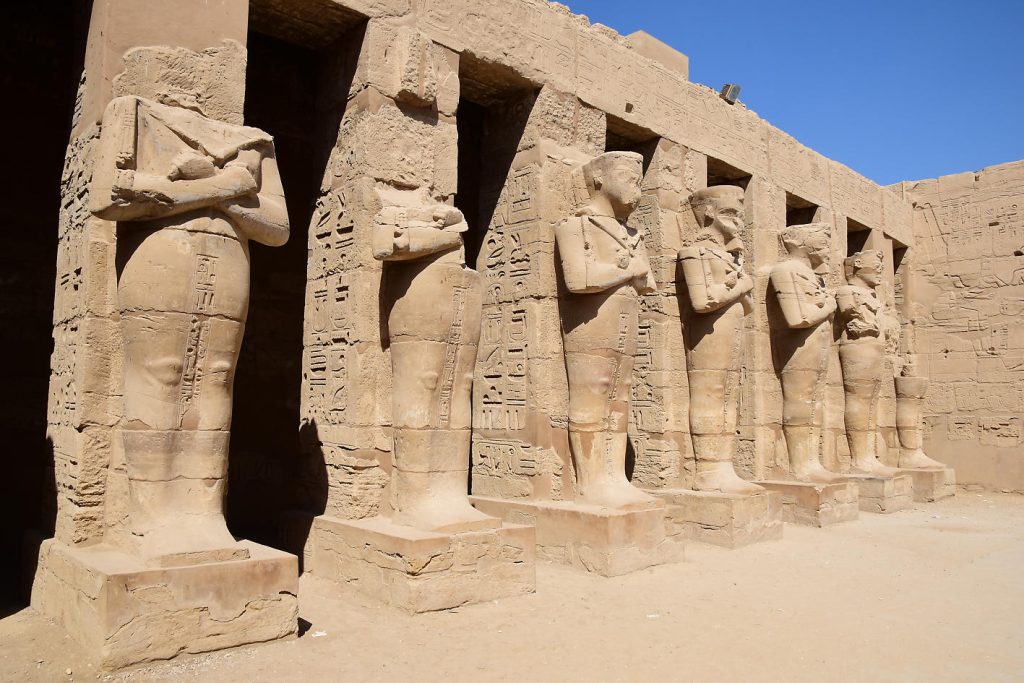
{"x":895,"y":89}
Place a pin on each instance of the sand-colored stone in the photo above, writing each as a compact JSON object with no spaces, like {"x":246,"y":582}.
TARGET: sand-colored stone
{"x":597,"y":539}
{"x":816,"y":504}
{"x":731,"y":520}
{"x":423,"y":571}
{"x":884,"y":494}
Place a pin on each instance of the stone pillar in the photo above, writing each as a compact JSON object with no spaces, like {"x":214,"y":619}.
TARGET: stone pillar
{"x":395,"y":163}
{"x":89,"y":577}
{"x":522,"y":468}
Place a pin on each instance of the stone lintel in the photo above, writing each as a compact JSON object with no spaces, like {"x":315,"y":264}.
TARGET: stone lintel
{"x":128,"y":612}
{"x":725,"y":519}
{"x":816,"y":504}
{"x":601,"y":540}
{"x":422,"y":571}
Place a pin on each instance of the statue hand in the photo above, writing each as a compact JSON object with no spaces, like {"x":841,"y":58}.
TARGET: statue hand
{"x":249,"y":159}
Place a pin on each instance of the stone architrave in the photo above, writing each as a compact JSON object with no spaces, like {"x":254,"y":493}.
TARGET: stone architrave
{"x":719,"y":294}
{"x":188,"y":192}
{"x":862,"y":347}
{"x":605,"y":267}
{"x":433,"y":301}
{"x":803,"y":345}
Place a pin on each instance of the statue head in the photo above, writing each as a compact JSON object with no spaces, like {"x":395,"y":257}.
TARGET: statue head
{"x":814,"y":240}
{"x":719,"y":209}
{"x":614,"y":177}
{"x":866,"y":267}
{"x":211,"y":82}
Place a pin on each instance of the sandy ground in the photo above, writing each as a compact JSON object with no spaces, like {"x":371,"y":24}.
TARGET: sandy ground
{"x":932,"y":594}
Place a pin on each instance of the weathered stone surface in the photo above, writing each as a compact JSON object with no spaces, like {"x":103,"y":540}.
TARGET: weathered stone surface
{"x":816,"y":504}
{"x":730,"y":520}
{"x":884,"y":494}
{"x":126,"y":611}
{"x":423,"y":571}
{"x":601,"y":540}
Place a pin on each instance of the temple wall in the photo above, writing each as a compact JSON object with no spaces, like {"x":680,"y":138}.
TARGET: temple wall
{"x":968,"y":276}
{"x":398,"y":84}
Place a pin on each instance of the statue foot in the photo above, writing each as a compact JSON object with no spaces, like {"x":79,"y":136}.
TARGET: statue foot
{"x":874,"y":468}
{"x":446,"y":517}
{"x":721,"y":477}
{"x":191,"y":539}
{"x":620,"y":495}
{"x":917,"y":460}
{"x":819,"y":475}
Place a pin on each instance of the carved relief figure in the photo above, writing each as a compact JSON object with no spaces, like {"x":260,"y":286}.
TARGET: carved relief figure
{"x":189,"y":193}
{"x":434,"y":304}
{"x":719,"y":292}
{"x":801,"y":341}
{"x":862,"y":346}
{"x":604,"y":266}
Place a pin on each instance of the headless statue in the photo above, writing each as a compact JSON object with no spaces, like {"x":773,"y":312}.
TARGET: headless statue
{"x":862,"y":348}
{"x":801,"y":341}
{"x":604,"y":267}
{"x":189,"y":193}
{"x":719,"y":293}
{"x":435,"y":306}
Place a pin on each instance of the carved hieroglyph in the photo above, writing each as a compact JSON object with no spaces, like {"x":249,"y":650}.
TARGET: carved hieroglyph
{"x":189,"y":192}
{"x":434,"y":303}
{"x":604,"y":266}
{"x":719,"y":294}
{"x":802,"y":342}
{"x":866,"y":329}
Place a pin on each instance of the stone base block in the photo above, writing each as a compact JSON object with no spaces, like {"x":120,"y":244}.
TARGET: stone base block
{"x":883,"y":494}
{"x":602,"y":540}
{"x":932,"y":484}
{"x":127,"y":612}
{"x":816,"y":504}
{"x":422,"y":571}
{"x":726,"y":519}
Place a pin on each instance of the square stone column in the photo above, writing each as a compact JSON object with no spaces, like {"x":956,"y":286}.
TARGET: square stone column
{"x":124,"y":609}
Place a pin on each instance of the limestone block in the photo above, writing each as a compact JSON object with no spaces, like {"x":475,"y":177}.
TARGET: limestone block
{"x":422,"y":571}
{"x":595,"y":539}
{"x":932,"y":484}
{"x":128,"y":612}
{"x":725,"y":519}
{"x":883,"y":494}
{"x":652,"y":48}
{"x":817,"y":505}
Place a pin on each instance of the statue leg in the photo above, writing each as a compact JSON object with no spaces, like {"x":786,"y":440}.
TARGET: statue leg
{"x":182,"y":298}
{"x":599,"y":334}
{"x":713,"y":361}
{"x":801,"y":423}
{"x":434,"y":333}
{"x":862,"y":364}
{"x":910,"y":393}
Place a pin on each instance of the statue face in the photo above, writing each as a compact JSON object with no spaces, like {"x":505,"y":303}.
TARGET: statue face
{"x":870,"y":270}
{"x":817,"y":245}
{"x":727,"y":216}
{"x":621,"y":185}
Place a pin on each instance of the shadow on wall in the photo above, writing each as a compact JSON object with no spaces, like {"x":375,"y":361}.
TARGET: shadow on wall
{"x":297,"y":94}
{"x":42,"y":55}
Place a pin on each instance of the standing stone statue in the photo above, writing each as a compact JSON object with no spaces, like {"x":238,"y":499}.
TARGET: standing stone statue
{"x":801,"y":341}
{"x":189,"y":193}
{"x":604,"y":266}
{"x":435,"y":304}
{"x":719,"y":292}
{"x":862,"y":347}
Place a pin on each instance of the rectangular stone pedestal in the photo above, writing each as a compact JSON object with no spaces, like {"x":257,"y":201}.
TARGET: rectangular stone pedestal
{"x":422,"y":571}
{"x":883,"y":494}
{"x":816,"y":504}
{"x":931,"y":485}
{"x":126,"y":612}
{"x":602,"y":540}
{"x":726,"y":519}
